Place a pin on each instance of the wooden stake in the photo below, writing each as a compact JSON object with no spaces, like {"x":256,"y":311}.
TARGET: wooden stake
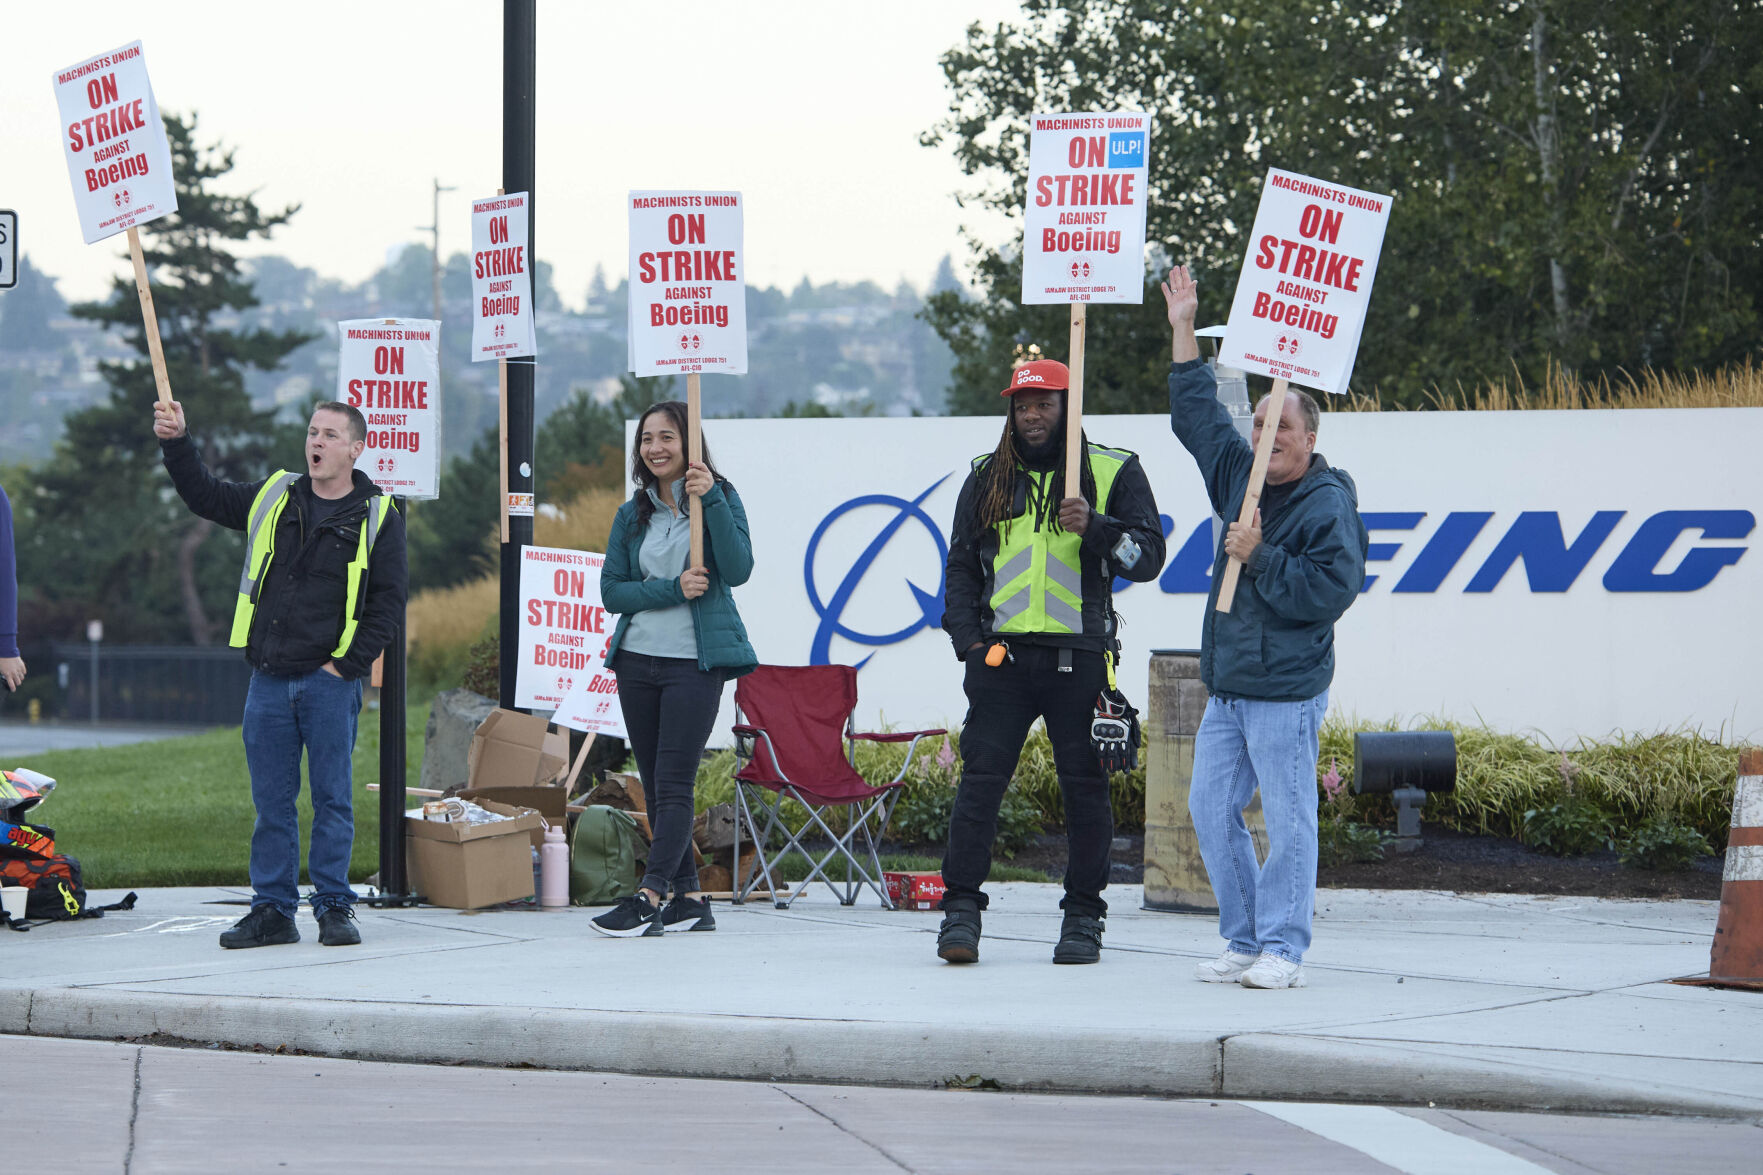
{"x":502,"y":423}
{"x":1074,"y":405}
{"x":1276,"y":403}
{"x":502,"y":420}
{"x":575,"y":769}
{"x":148,"y":318}
{"x":695,"y":452}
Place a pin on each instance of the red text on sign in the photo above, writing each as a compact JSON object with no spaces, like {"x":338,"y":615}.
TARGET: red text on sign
{"x":1110,"y":188}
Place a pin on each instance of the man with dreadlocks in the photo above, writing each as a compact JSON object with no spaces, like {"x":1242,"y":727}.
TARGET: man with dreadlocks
{"x":1029,"y":607}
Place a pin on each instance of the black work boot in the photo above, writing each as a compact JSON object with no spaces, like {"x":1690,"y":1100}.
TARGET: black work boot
{"x":336,"y":927}
{"x":1080,"y":939}
{"x":264,"y":926}
{"x":958,"y":936}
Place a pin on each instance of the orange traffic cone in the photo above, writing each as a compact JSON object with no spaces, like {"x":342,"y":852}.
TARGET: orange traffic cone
{"x":1737,"y":957}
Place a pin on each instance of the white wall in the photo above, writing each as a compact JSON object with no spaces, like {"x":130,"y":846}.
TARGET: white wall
{"x":1584,"y":661}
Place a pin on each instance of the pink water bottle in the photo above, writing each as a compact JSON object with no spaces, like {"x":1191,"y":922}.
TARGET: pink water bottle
{"x":554,"y":869}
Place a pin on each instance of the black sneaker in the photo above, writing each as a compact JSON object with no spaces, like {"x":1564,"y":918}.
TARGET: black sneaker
{"x":336,"y":927}
{"x":1080,"y":940}
{"x":264,"y":926}
{"x":633,"y":917}
{"x":687,"y":913}
{"x":958,"y":937}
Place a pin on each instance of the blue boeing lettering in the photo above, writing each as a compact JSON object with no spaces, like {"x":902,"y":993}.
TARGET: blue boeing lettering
{"x":1549,"y":563}
{"x":1635,"y":570}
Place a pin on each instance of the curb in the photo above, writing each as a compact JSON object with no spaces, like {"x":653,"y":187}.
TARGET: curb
{"x":1256,"y":1066}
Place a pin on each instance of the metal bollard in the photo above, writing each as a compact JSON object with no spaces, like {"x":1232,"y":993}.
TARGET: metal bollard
{"x":1175,"y":875}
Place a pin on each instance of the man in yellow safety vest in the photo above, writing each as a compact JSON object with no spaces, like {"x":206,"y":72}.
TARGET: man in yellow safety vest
{"x":320,"y":596}
{"x":1029,"y":607}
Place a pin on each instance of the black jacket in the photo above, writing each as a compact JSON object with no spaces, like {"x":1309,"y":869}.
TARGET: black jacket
{"x":1276,"y":643}
{"x":1130,"y":509}
{"x":299,"y":615}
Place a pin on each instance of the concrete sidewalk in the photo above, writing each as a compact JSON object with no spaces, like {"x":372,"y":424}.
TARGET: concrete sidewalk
{"x":1490,"y":1001}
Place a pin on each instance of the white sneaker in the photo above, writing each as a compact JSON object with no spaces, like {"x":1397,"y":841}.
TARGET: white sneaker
{"x":1273,"y":971}
{"x":1226,"y":968}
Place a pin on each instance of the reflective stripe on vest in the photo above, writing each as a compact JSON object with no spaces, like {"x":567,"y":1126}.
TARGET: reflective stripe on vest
{"x":266,"y":510}
{"x":1037,"y":574}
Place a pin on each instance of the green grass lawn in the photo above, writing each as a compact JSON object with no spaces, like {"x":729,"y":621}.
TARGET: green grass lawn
{"x":178,"y":812}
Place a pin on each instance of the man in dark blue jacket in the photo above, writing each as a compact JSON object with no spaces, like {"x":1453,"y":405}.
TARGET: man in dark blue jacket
{"x":1268,"y":662}
{"x":322,"y":590}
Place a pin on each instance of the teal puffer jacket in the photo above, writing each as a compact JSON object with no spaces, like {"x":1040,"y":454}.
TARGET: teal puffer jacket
{"x":1276,"y":644}
{"x":728,"y":556}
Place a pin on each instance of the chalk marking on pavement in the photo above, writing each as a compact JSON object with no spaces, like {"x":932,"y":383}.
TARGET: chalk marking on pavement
{"x":179,"y":925}
{"x":1408,"y":1144}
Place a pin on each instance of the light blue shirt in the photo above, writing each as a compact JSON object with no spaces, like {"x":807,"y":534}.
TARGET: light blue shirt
{"x":667,"y":545}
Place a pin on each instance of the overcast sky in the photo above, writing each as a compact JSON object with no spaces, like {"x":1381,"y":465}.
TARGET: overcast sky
{"x":811,"y":110}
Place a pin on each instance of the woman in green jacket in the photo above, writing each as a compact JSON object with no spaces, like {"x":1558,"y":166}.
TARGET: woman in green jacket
{"x":679,"y":638}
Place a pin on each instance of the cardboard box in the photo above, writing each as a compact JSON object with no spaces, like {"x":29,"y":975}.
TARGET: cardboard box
{"x":511,"y":749}
{"x":915,"y":891}
{"x":549,"y":801}
{"x":464,"y":866}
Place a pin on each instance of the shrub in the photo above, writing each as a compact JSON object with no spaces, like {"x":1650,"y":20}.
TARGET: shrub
{"x":1660,"y":842}
{"x":1571,"y":827}
{"x":1341,"y":840}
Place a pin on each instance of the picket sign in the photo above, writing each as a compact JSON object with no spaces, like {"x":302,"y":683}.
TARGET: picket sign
{"x":119,"y":162}
{"x":390,"y":369}
{"x":1300,"y":303}
{"x":688,"y":300}
{"x":502,"y":326}
{"x":1084,"y":231}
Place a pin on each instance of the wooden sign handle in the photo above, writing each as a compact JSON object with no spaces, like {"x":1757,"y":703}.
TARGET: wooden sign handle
{"x":1074,"y":405}
{"x":1276,"y":403}
{"x":502,"y":426}
{"x":575,"y":768}
{"x":148,"y":318}
{"x":695,"y":452}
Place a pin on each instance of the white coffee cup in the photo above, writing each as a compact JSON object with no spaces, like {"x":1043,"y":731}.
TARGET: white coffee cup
{"x":12,"y":899}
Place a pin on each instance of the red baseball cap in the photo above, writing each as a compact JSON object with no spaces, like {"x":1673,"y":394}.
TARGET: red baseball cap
{"x":1042,"y":375}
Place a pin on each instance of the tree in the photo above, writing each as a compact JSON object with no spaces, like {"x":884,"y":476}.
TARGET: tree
{"x":1575,"y":182}
{"x":107,"y":530}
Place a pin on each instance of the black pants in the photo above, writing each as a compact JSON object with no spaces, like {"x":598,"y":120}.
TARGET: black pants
{"x":669,"y":707}
{"x":1002,"y":704}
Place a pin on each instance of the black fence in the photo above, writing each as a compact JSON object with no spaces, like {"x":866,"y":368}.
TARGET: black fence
{"x":147,"y":683}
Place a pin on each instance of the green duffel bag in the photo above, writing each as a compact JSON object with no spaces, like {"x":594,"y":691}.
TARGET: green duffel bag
{"x":606,"y":856}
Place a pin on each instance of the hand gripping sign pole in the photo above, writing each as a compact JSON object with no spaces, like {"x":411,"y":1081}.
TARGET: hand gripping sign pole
{"x":1300,"y":304}
{"x":1084,"y":232}
{"x":688,"y":303}
{"x":119,"y":162}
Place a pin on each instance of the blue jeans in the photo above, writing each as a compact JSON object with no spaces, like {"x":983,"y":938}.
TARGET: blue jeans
{"x":314,"y":712}
{"x":1243,"y":745}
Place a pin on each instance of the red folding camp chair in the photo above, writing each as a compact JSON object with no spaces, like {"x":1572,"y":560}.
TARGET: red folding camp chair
{"x":794,"y":740}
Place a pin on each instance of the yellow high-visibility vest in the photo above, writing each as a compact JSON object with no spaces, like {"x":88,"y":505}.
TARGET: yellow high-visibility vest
{"x":266,"y":509}
{"x":1037,"y":574}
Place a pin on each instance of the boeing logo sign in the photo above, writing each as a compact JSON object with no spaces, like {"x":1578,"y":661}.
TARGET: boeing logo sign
{"x":1535,"y":539}
{"x":891,"y":514}
{"x":1573,"y":573}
